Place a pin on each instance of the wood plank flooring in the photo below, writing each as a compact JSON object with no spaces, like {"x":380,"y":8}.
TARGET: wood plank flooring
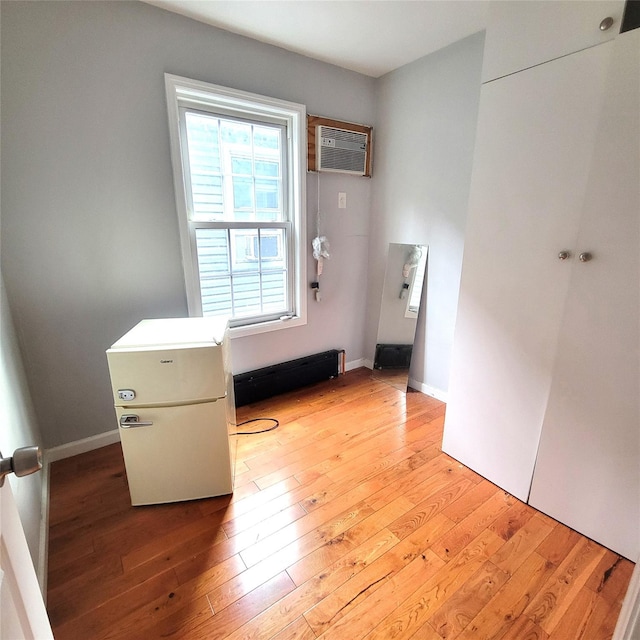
{"x":347,"y":522}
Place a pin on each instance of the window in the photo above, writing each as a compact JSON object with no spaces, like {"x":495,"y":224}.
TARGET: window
{"x":415,"y":293}
{"x":238,"y":169}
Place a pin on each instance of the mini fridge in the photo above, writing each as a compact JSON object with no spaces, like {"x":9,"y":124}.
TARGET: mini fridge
{"x":173,"y":394}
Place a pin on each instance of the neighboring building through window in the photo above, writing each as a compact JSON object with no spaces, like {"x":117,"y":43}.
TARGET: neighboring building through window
{"x":238,"y":167}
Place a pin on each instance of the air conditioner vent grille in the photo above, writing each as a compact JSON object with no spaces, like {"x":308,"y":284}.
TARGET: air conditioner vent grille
{"x":342,"y":150}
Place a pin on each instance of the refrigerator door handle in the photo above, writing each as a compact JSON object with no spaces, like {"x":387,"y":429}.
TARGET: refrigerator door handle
{"x":129,"y":420}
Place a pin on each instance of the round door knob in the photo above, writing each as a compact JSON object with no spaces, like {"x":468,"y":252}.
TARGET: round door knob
{"x":24,"y":461}
{"x":606,"y":24}
{"x":563,"y":255}
{"x":585,"y":256}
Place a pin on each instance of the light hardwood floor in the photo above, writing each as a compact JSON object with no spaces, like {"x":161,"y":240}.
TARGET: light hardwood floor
{"x":347,"y":522}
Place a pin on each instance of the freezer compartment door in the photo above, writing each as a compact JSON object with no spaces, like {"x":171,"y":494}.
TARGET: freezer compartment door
{"x":169,"y":332}
{"x":183,"y":454}
{"x":148,"y":376}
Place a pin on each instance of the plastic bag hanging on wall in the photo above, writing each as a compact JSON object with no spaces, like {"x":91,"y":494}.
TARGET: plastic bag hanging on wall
{"x":320,"y":246}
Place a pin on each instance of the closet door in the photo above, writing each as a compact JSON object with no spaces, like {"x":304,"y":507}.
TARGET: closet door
{"x":587,"y":470}
{"x":521,"y":35}
{"x":534,"y":145}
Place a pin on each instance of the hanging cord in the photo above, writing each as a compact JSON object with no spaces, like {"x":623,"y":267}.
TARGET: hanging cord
{"x":320,"y":247}
{"x":318,"y":205}
{"x":251,"y":433}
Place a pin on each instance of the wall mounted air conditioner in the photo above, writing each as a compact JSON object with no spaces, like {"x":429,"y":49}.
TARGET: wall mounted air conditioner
{"x":341,"y":150}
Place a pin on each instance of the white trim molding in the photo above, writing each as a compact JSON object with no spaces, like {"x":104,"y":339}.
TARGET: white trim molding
{"x":438,"y":394}
{"x":81,"y":446}
{"x":356,"y":364}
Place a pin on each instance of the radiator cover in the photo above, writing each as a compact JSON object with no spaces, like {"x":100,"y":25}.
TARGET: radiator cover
{"x":260,"y":384}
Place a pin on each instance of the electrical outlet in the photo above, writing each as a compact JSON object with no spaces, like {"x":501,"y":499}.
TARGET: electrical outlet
{"x":342,"y":200}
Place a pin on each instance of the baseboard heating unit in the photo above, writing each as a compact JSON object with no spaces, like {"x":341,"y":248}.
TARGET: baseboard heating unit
{"x":260,"y":384}
{"x":392,"y":356}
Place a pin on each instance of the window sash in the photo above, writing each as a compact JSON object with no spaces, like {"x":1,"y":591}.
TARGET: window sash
{"x":227,"y":178}
{"x":230,"y":278}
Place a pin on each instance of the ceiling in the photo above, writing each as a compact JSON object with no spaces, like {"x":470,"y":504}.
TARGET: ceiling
{"x":371,"y":37}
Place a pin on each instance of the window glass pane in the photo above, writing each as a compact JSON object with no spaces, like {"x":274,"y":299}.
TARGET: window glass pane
{"x":216,"y":297}
{"x":245,"y":255}
{"x":267,"y":194}
{"x":246,"y":295}
{"x":205,"y":166}
{"x":242,"y":193}
{"x":213,"y":266}
{"x":266,"y":139}
{"x":268,"y":169}
{"x":236,"y":134}
{"x":213,"y":252}
{"x":207,"y":197}
{"x":241,"y":166}
{"x":267,"y":216}
{"x":202,"y":134}
{"x":274,"y":291}
{"x":272,"y":249}
{"x":268,"y":247}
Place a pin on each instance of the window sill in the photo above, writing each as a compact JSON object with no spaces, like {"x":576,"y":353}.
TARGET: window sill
{"x":265,"y":327}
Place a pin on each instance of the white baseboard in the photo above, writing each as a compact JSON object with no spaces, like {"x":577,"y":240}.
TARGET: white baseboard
{"x":81,"y":446}
{"x":356,"y":364}
{"x":438,"y":394}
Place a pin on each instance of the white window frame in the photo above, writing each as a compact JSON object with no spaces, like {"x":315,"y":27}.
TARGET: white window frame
{"x":184,"y":92}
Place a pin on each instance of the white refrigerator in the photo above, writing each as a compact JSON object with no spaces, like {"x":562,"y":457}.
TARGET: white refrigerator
{"x":173,"y":394}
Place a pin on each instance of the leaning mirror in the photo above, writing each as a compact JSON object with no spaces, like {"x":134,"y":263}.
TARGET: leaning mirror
{"x":401,"y":295}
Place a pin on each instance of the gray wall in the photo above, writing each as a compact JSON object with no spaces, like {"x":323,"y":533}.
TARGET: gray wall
{"x":89,"y":231}
{"x":426,"y":116}
{"x":19,"y":428}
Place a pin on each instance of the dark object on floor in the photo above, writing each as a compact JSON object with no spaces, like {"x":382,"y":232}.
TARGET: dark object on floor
{"x":392,"y":356}
{"x":279,"y":378}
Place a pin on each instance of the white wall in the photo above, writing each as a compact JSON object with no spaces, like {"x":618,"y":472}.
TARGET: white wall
{"x":426,"y":116}
{"x":338,"y":320}
{"x":19,"y":428}
{"x":90,"y":238}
